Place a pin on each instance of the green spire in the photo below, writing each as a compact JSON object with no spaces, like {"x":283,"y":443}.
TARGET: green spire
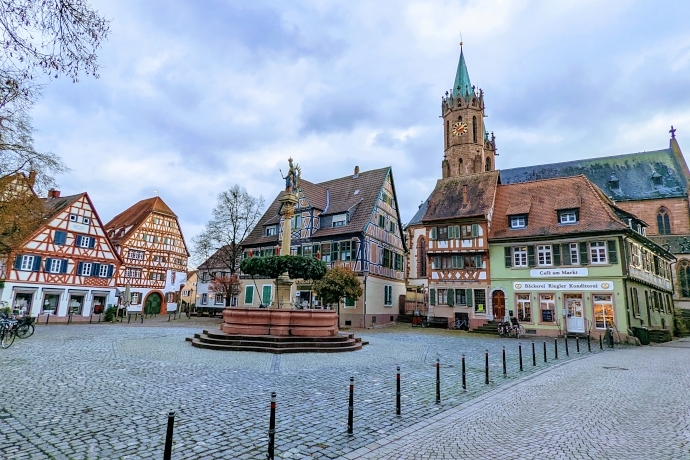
{"x":462,"y":84}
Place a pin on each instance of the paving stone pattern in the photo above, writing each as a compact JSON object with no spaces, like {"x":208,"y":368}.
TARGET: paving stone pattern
{"x":104,"y":391}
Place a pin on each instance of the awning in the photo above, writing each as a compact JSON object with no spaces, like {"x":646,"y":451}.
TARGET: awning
{"x":101,"y":293}
{"x":24,"y":290}
{"x":77,"y":291}
{"x":53,"y":291}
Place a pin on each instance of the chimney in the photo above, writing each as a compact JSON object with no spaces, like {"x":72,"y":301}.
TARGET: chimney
{"x":464,"y":195}
{"x":356,"y":172}
{"x":32,"y":178}
{"x":52,"y":193}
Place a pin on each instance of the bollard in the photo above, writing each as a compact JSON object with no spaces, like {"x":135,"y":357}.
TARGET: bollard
{"x":397,"y":393}
{"x":544,"y":350}
{"x":351,"y":406}
{"x":438,"y":381}
{"x":504,"y":363}
{"x":464,"y":381}
{"x":142,"y":319}
{"x":69,"y":320}
{"x":169,"y":436}
{"x":534,"y":355}
{"x":168,"y":317}
{"x":555,"y":348}
{"x":589,"y":344}
{"x":48,"y":317}
{"x":486,"y":367}
{"x":272,"y":427}
{"x":99,"y":318}
{"x":129,"y":318}
{"x":90,"y":318}
{"x":567,"y":352}
{"x":520,"y":354}
{"x":601,"y":343}
{"x":577,"y":344}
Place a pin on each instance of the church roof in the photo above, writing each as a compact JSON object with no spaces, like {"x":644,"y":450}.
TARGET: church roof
{"x":462,"y":85}
{"x":635,"y":176}
{"x":446,"y":201}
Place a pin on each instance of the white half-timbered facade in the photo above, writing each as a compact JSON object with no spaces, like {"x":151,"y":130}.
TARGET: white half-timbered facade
{"x":352,"y":221}
{"x":154,"y":256}
{"x":67,"y":267}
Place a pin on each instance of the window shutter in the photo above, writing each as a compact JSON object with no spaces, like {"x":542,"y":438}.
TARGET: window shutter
{"x":92,"y":242}
{"x":475,"y":230}
{"x":60,"y":237}
{"x":353,"y":251}
{"x":461,"y":262}
{"x":507,"y":251}
{"x":63,"y":266}
{"x":565,"y":250}
{"x":80,"y":266}
{"x":457,"y":232}
{"x":111,"y":268}
{"x":432,"y":297}
{"x":556,"y":254}
{"x":469,"y":297}
{"x":613,"y":254}
{"x":530,"y":256}
{"x":17,"y":262}
{"x":450,"y":297}
{"x":77,"y":241}
{"x":478,"y":261}
{"x":37,"y":264}
{"x":437,"y":262}
{"x":95,"y":270}
{"x":266,"y":295}
{"x":432,"y":233}
{"x":451,"y":232}
{"x":584,"y":259}
{"x":47,"y":265}
{"x":249,"y":295}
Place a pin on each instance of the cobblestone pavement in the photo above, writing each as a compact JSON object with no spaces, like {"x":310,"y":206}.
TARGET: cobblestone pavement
{"x":632,"y":404}
{"x":103,"y":391}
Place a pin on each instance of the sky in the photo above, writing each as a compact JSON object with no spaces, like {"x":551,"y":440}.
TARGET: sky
{"x":195,"y":96}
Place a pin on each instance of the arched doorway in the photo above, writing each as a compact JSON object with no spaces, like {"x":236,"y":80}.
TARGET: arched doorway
{"x":153,"y":303}
{"x":498,"y":300}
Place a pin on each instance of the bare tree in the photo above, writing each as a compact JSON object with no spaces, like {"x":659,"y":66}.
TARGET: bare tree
{"x":218,"y":247}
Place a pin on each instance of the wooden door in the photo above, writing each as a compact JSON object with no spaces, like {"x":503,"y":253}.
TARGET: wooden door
{"x":153,"y":303}
{"x":498,"y":300}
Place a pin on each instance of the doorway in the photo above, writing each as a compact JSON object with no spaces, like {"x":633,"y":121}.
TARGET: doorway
{"x":153,"y":304}
{"x":574,"y":309}
{"x":498,"y":300}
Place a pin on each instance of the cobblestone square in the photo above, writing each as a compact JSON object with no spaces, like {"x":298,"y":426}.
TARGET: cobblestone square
{"x":104,"y":391}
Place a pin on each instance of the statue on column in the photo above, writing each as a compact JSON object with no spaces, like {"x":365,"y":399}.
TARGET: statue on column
{"x":292,"y":178}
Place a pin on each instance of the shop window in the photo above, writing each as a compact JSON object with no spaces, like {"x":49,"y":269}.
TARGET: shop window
{"x":524,"y":307}
{"x":50,"y":303}
{"x":547,"y":307}
{"x":22,"y":303}
{"x":76,"y":304}
{"x":603,"y":311}
{"x":479,"y":300}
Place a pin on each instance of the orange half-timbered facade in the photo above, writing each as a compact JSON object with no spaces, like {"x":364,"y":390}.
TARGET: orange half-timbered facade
{"x":68,"y":265}
{"x":154,"y":256}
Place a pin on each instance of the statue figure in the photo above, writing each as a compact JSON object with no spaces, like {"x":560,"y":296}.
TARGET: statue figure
{"x":292,"y":178}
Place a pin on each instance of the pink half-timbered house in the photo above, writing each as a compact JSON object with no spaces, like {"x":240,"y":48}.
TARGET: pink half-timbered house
{"x":67,"y":267}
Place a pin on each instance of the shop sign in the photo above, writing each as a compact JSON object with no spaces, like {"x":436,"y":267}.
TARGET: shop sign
{"x":553,"y":272}
{"x":574,"y":285}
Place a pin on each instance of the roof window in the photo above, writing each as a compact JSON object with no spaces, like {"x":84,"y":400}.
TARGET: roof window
{"x":568,"y":217}
{"x":517,"y":222}
{"x":614,"y":183}
{"x":656,"y":179}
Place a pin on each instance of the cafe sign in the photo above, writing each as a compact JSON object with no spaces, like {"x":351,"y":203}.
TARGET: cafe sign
{"x":554,"y":272}
{"x":573,"y":285}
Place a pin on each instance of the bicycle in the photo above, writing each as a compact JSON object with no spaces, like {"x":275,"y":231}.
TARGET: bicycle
{"x":7,"y":332}
{"x":459,"y":324}
{"x":25,"y":327}
{"x":504,"y":329}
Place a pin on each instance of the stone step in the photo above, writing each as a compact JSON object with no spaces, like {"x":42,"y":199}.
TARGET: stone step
{"x":232,"y":341}
{"x":277,"y":339}
{"x":351,"y":345}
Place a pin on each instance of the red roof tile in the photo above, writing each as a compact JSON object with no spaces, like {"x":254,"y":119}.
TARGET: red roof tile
{"x":446,"y":201}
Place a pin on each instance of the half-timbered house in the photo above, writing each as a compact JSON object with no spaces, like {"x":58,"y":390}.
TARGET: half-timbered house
{"x":351,"y":221}
{"x":67,"y":267}
{"x":154,"y":255}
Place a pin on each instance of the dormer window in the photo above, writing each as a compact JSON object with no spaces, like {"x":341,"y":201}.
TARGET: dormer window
{"x":614,"y":183}
{"x":339,"y":220}
{"x":518,"y":221}
{"x":657,"y":179}
{"x":568,"y":217}
{"x":271,"y":230}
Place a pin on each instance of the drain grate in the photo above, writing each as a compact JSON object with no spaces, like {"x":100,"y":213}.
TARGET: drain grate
{"x":616,"y":368}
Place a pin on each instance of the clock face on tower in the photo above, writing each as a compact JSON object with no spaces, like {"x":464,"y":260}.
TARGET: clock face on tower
{"x":460,"y":128}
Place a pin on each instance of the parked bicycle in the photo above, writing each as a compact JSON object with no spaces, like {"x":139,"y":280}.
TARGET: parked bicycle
{"x":460,"y":324}
{"x":8,"y":328}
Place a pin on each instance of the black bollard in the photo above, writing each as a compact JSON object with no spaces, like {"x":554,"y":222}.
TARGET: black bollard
{"x":169,"y":436}
{"x":464,"y":381}
{"x":544,"y":350}
{"x":168,"y":317}
{"x":99,"y":318}
{"x":438,"y":381}
{"x":48,"y":318}
{"x":589,"y":344}
{"x":69,"y":320}
{"x":397,"y":393}
{"x":601,"y":343}
{"x":142,"y":318}
{"x":351,"y":406}
{"x":577,"y":344}
{"x":90,"y":318}
{"x":486,"y":367}
{"x":505,"y":373}
{"x":534,"y":355}
{"x":272,"y":427}
{"x":129,"y":318}
{"x":567,"y":352}
{"x":520,"y":354}
{"x":555,"y":348}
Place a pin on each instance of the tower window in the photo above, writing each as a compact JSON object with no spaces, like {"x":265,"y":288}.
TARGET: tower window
{"x":447,"y":133}
{"x":459,"y":117}
{"x":663,"y":221}
{"x":474,"y":129}
{"x":487,"y":166}
{"x":684,"y":275}
{"x":461,"y":167}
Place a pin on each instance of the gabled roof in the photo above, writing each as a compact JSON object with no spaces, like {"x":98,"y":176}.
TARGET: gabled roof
{"x":54,"y":206}
{"x":446,"y":201}
{"x":596,"y":212}
{"x":128,"y":220}
{"x":421,"y":210}
{"x":358,"y":193}
{"x":622,"y":177}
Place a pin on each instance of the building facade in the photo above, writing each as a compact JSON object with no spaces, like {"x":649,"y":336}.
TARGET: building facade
{"x":351,"y":221}
{"x":67,"y":268}
{"x":149,"y":240}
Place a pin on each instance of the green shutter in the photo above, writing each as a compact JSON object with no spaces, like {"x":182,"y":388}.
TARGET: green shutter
{"x":249,"y":295}
{"x":432,"y":233}
{"x":437,"y":262}
{"x":613,"y":254}
{"x":565,"y":251}
{"x":530,"y":256}
{"x":457,"y":232}
{"x":451,"y":297}
{"x":469,"y":297}
{"x":461,"y":262}
{"x":507,"y":251}
{"x":556,"y":254}
{"x":266,"y":295}
{"x":478,"y":261}
{"x":475,"y":230}
{"x":584,"y":259}
{"x":450,"y":232}
{"x":432,"y":297}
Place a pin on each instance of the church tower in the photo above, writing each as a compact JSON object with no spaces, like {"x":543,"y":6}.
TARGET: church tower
{"x":468,"y":148}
